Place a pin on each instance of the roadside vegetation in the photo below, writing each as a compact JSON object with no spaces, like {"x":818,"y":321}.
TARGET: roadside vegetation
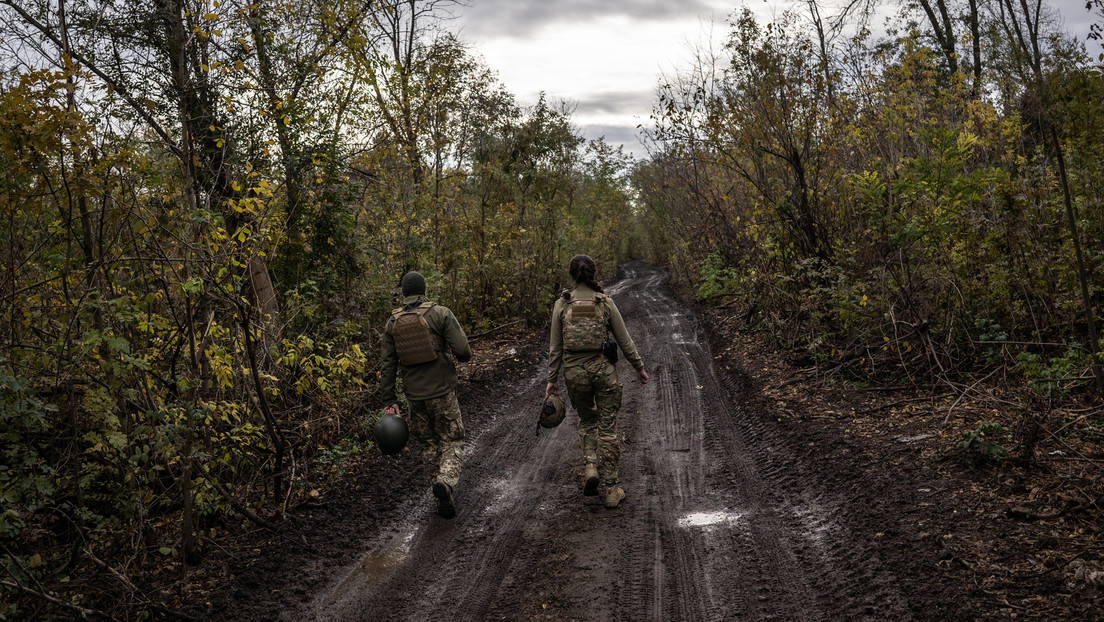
{"x":919,"y":210}
{"x":207,"y":206}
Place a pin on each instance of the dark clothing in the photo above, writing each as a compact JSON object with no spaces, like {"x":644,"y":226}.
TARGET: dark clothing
{"x":413,"y":284}
{"x":428,"y":380}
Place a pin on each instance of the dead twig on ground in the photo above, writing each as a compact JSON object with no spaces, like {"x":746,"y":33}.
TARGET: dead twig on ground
{"x":893,"y":387}
{"x":1077,"y":420}
{"x":1096,"y":463}
{"x":965,"y":392}
{"x":287,"y":497}
{"x":83,"y":611}
{"x":495,"y":329}
{"x":910,"y":400}
{"x":239,"y":508}
{"x":144,"y":600}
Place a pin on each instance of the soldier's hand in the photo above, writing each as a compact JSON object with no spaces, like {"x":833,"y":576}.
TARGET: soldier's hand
{"x":552,"y":388}
{"x":393,"y":410}
{"x":642,"y":377}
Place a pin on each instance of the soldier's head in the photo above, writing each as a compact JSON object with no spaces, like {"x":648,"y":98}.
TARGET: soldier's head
{"x":413,"y":284}
{"x":582,"y":270}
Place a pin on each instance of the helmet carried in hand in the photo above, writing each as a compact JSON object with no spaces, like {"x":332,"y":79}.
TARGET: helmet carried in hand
{"x":390,"y":433}
{"x":552,"y":411}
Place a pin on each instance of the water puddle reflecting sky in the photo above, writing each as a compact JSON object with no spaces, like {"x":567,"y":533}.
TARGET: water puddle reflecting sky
{"x":709,"y":519}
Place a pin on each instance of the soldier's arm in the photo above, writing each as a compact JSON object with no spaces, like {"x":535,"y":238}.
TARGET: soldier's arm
{"x":621,"y":334}
{"x":390,"y":366}
{"x":456,"y":339}
{"x":555,"y":343}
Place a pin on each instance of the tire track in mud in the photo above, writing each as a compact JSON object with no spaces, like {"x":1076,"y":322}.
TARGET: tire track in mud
{"x":722,"y":521}
{"x":470,"y":565}
{"x":724,"y":556}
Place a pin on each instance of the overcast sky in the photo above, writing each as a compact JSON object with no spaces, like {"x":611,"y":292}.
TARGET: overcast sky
{"x":606,"y":56}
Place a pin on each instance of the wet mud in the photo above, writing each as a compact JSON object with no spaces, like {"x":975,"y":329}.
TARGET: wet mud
{"x":731,"y":513}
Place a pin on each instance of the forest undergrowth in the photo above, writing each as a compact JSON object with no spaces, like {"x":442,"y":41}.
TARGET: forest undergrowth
{"x":207,"y":208}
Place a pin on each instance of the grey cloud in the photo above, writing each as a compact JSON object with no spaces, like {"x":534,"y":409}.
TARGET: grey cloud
{"x":1075,"y":18}
{"x":624,"y":135}
{"x":624,"y":103}
{"x":518,"y":18}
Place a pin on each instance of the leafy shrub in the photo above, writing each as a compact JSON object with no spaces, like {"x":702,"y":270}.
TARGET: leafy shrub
{"x":990,"y":332}
{"x":26,"y":478}
{"x":715,"y":278}
{"x":980,"y":448}
{"x":1057,"y":375}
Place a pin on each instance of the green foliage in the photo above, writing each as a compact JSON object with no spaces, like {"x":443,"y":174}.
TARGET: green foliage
{"x":981,"y":446}
{"x":335,"y":456}
{"x":991,"y":332}
{"x":874,"y":206}
{"x":194,"y":280}
{"x":716,"y":279}
{"x":27,"y":480}
{"x":1055,"y":376}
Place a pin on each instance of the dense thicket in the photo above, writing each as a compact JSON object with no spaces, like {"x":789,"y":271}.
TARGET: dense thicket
{"x":910,"y":206}
{"x":207,"y":207}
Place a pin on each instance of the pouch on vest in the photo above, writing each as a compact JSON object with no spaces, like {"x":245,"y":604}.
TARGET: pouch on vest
{"x":415,"y":343}
{"x":584,"y":326}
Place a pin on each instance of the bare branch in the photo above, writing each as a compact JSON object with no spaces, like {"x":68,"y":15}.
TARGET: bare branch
{"x":138,"y":106}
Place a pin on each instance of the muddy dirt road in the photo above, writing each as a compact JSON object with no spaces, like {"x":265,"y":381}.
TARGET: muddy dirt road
{"x":725,"y":519}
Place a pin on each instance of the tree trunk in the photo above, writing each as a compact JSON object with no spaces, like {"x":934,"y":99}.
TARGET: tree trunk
{"x":264,"y":295}
{"x":943,"y":29}
{"x":174,"y":23}
{"x":1082,"y":272}
{"x":1027,"y":37}
{"x":975,"y":35}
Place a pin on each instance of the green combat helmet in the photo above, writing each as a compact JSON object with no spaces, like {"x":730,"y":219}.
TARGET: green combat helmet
{"x":390,"y":433}
{"x":552,"y":411}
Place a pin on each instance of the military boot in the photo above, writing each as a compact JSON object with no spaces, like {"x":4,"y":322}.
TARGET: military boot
{"x":614,"y":496}
{"x":590,"y":487}
{"x":446,"y":506}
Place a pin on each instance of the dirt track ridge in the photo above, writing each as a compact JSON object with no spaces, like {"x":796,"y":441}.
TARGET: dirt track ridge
{"x":723,"y":520}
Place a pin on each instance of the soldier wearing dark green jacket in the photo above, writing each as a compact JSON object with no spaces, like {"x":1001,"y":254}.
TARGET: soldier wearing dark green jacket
{"x":430,"y":388}
{"x":581,"y":319}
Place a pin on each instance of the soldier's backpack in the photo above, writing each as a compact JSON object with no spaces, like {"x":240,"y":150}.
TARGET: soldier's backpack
{"x":415,"y":343}
{"x":584,"y":324}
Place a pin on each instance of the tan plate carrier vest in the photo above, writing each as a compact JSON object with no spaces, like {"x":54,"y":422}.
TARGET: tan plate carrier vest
{"x":584,"y":325}
{"x":415,"y":343}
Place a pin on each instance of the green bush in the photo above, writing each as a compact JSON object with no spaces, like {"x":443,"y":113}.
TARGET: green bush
{"x":715,"y":278}
{"x":979,"y":446}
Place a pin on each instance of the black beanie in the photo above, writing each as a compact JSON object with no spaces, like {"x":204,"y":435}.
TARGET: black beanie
{"x":413,"y":284}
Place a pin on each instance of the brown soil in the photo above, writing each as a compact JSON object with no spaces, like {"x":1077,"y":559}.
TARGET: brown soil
{"x":755,"y":491}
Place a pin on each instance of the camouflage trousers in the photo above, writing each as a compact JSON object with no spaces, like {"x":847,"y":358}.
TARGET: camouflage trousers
{"x":437,"y":424}
{"x":595,"y":392}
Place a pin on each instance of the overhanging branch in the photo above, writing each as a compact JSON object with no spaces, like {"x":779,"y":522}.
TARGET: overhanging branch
{"x":138,"y":106}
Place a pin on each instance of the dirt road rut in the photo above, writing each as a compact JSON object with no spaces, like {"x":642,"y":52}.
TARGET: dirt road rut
{"x":723,"y":520}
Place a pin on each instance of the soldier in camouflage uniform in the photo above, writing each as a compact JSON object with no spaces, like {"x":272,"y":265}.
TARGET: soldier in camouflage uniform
{"x":580,"y":321}
{"x":431,"y":390}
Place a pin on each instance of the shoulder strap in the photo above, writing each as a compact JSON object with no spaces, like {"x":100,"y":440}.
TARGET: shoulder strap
{"x":420,"y":309}
{"x":600,"y":300}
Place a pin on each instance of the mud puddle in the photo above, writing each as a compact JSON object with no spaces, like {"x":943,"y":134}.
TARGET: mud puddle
{"x":727,"y":515}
